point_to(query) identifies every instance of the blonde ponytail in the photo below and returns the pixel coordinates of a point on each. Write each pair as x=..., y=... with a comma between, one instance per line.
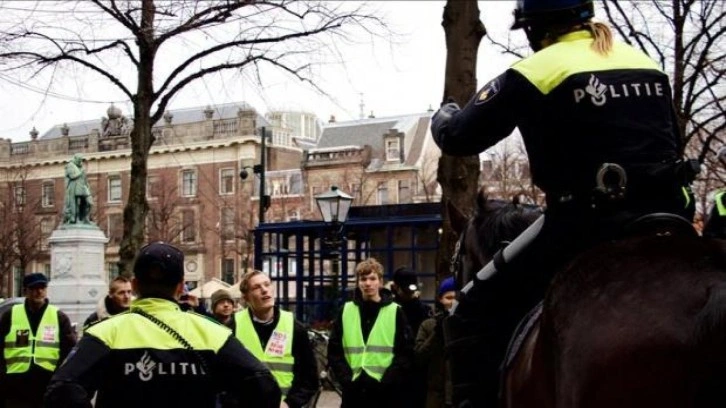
x=603, y=37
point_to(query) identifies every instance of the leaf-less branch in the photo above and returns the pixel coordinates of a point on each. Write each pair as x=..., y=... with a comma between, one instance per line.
x=48, y=61
x=256, y=41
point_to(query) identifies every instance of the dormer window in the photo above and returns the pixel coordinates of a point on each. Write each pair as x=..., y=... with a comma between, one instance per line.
x=393, y=149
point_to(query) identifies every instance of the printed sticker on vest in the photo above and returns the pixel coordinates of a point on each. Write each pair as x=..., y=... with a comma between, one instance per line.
x=277, y=343
x=22, y=338
x=49, y=333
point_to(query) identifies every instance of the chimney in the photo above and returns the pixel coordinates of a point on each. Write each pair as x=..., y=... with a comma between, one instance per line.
x=332, y=119
x=371, y=116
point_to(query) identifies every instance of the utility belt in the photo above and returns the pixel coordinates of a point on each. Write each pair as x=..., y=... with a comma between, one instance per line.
x=618, y=186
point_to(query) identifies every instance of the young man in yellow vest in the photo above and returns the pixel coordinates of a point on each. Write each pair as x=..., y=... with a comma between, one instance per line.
x=156, y=355
x=370, y=347
x=35, y=338
x=276, y=339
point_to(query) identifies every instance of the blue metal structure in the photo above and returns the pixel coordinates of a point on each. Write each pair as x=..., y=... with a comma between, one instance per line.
x=313, y=280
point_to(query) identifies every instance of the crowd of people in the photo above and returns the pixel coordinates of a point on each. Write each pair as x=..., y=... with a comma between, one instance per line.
x=156, y=349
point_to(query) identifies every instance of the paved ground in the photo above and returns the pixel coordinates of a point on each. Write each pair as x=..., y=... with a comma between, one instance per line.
x=329, y=399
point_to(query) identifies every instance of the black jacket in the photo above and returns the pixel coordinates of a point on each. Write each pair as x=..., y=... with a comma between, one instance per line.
x=416, y=312
x=164, y=372
x=31, y=384
x=365, y=391
x=575, y=110
x=105, y=309
x=305, y=382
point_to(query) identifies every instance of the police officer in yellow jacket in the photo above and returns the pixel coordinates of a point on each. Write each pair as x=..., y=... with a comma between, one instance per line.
x=35, y=337
x=155, y=355
x=598, y=121
x=370, y=351
x=277, y=339
x=716, y=223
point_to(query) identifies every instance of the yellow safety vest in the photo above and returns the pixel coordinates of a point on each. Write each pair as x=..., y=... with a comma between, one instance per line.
x=375, y=356
x=277, y=355
x=129, y=330
x=23, y=346
x=720, y=204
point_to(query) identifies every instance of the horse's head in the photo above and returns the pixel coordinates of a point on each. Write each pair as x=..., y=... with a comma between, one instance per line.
x=494, y=224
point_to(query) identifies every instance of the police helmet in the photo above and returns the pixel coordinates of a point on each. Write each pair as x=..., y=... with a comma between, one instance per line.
x=550, y=12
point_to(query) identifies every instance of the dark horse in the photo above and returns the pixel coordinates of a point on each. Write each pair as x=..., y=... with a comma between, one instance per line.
x=635, y=322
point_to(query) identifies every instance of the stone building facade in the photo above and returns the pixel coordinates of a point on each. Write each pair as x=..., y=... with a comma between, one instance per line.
x=196, y=197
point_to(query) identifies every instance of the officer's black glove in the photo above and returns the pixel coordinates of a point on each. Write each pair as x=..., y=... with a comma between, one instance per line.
x=440, y=121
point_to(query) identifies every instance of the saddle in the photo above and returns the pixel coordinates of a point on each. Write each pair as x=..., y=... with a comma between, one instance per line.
x=662, y=224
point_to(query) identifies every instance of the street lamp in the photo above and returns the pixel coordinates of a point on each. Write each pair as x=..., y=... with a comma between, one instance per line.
x=334, y=206
x=260, y=169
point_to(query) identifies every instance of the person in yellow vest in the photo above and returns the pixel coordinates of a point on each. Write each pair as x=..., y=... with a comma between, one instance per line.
x=370, y=351
x=277, y=339
x=35, y=338
x=716, y=223
x=156, y=355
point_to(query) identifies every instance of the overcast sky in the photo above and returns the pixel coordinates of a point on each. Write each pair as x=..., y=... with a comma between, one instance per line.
x=403, y=77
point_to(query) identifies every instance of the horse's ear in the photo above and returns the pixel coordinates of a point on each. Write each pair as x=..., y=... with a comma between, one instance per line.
x=457, y=219
x=515, y=199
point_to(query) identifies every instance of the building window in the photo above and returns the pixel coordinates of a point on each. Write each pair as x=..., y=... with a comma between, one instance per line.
x=115, y=228
x=313, y=192
x=152, y=187
x=189, y=183
x=112, y=269
x=48, y=194
x=20, y=195
x=114, y=189
x=228, y=270
x=189, y=230
x=228, y=224
x=46, y=228
x=382, y=194
x=392, y=150
x=226, y=181
x=46, y=270
x=404, y=192
x=293, y=215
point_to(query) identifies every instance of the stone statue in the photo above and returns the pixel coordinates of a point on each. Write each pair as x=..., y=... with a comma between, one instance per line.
x=78, y=201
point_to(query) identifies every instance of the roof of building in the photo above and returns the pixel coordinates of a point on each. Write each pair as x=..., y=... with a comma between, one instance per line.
x=180, y=117
x=370, y=132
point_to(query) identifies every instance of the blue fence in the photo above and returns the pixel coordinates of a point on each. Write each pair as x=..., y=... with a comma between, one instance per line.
x=313, y=281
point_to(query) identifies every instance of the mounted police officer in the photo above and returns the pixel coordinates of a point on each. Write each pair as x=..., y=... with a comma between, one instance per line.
x=155, y=355
x=600, y=129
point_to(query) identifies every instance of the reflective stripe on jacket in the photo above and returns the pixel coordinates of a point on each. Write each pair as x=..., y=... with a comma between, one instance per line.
x=22, y=345
x=277, y=354
x=375, y=355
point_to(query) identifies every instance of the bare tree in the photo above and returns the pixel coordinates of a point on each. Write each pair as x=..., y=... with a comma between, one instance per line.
x=164, y=221
x=458, y=176
x=426, y=176
x=21, y=226
x=234, y=35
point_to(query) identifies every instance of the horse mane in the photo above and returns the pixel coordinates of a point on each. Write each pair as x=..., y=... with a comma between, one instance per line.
x=499, y=221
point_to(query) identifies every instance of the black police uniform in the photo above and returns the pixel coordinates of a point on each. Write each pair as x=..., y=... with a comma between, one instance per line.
x=576, y=110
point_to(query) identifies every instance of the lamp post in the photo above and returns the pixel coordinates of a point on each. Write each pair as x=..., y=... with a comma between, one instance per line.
x=260, y=169
x=334, y=206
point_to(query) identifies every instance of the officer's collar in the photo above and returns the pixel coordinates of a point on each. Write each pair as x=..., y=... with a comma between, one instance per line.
x=154, y=304
x=575, y=35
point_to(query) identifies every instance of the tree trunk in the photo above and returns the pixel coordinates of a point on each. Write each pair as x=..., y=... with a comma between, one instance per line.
x=458, y=176
x=141, y=139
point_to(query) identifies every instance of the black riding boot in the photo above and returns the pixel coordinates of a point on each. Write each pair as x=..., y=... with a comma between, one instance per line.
x=478, y=331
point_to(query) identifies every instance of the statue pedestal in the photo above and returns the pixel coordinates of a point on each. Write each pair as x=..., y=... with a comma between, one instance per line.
x=78, y=275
